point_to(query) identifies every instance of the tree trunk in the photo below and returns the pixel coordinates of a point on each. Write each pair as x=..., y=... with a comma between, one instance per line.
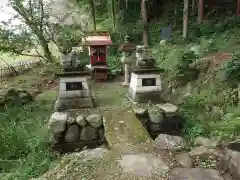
x=185, y=19
x=45, y=48
x=113, y=12
x=193, y=5
x=145, y=23
x=238, y=8
x=93, y=9
x=200, y=11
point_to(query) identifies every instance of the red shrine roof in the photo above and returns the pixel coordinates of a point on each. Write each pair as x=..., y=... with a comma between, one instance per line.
x=97, y=39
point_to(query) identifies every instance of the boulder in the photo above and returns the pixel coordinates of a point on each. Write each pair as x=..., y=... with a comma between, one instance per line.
x=195, y=173
x=143, y=165
x=202, y=141
x=169, y=109
x=164, y=141
x=80, y=120
x=95, y=120
x=204, y=152
x=58, y=121
x=230, y=162
x=156, y=115
x=140, y=111
x=88, y=134
x=70, y=120
x=72, y=133
x=185, y=160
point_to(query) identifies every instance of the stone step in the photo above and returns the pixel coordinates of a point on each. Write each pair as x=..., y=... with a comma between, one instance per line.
x=123, y=127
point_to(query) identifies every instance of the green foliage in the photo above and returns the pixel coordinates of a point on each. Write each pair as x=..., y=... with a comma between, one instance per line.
x=23, y=137
x=184, y=71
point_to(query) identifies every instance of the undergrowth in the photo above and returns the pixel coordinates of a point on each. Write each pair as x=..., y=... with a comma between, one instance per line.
x=23, y=137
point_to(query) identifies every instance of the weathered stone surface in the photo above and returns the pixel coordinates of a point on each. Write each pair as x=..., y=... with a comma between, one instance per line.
x=88, y=134
x=123, y=127
x=80, y=120
x=204, y=152
x=56, y=138
x=95, y=120
x=202, y=141
x=230, y=161
x=58, y=121
x=72, y=133
x=165, y=141
x=156, y=115
x=140, y=111
x=185, y=160
x=101, y=133
x=143, y=165
x=70, y=120
x=195, y=173
x=234, y=145
x=169, y=109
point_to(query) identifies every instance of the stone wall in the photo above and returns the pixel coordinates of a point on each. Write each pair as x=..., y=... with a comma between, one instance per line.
x=162, y=118
x=66, y=129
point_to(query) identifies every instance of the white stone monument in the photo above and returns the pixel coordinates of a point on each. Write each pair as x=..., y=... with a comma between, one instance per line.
x=74, y=91
x=145, y=84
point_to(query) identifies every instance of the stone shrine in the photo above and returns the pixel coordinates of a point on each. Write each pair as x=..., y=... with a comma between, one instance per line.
x=145, y=84
x=74, y=89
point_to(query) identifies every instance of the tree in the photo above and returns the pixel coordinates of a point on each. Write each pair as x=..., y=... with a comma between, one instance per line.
x=93, y=10
x=200, y=11
x=33, y=15
x=185, y=19
x=145, y=23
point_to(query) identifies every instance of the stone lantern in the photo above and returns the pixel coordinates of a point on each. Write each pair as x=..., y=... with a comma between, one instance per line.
x=128, y=59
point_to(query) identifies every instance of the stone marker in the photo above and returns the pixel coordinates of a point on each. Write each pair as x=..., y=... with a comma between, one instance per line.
x=123, y=127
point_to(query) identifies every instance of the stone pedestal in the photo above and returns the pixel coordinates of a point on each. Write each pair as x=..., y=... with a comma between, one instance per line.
x=126, y=75
x=145, y=86
x=74, y=91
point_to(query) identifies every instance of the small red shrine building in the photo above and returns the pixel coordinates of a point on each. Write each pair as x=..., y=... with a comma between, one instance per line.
x=97, y=44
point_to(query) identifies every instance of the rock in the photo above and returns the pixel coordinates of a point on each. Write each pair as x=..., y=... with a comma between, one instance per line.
x=230, y=162
x=202, y=141
x=140, y=111
x=154, y=128
x=88, y=134
x=72, y=134
x=59, y=106
x=143, y=165
x=56, y=138
x=101, y=133
x=70, y=120
x=195, y=173
x=95, y=120
x=184, y=160
x=80, y=120
x=169, y=109
x=204, y=152
x=234, y=145
x=156, y=115
x=58, y=121
x=165, y=141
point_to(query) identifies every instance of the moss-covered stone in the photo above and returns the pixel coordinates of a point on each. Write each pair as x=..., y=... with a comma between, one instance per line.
x=122, y=127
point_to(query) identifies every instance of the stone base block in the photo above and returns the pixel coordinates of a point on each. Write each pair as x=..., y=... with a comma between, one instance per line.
x=145, y=97
x=73, y=103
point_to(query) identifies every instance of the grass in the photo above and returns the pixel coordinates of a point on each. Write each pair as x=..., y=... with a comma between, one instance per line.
x=23, y=139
